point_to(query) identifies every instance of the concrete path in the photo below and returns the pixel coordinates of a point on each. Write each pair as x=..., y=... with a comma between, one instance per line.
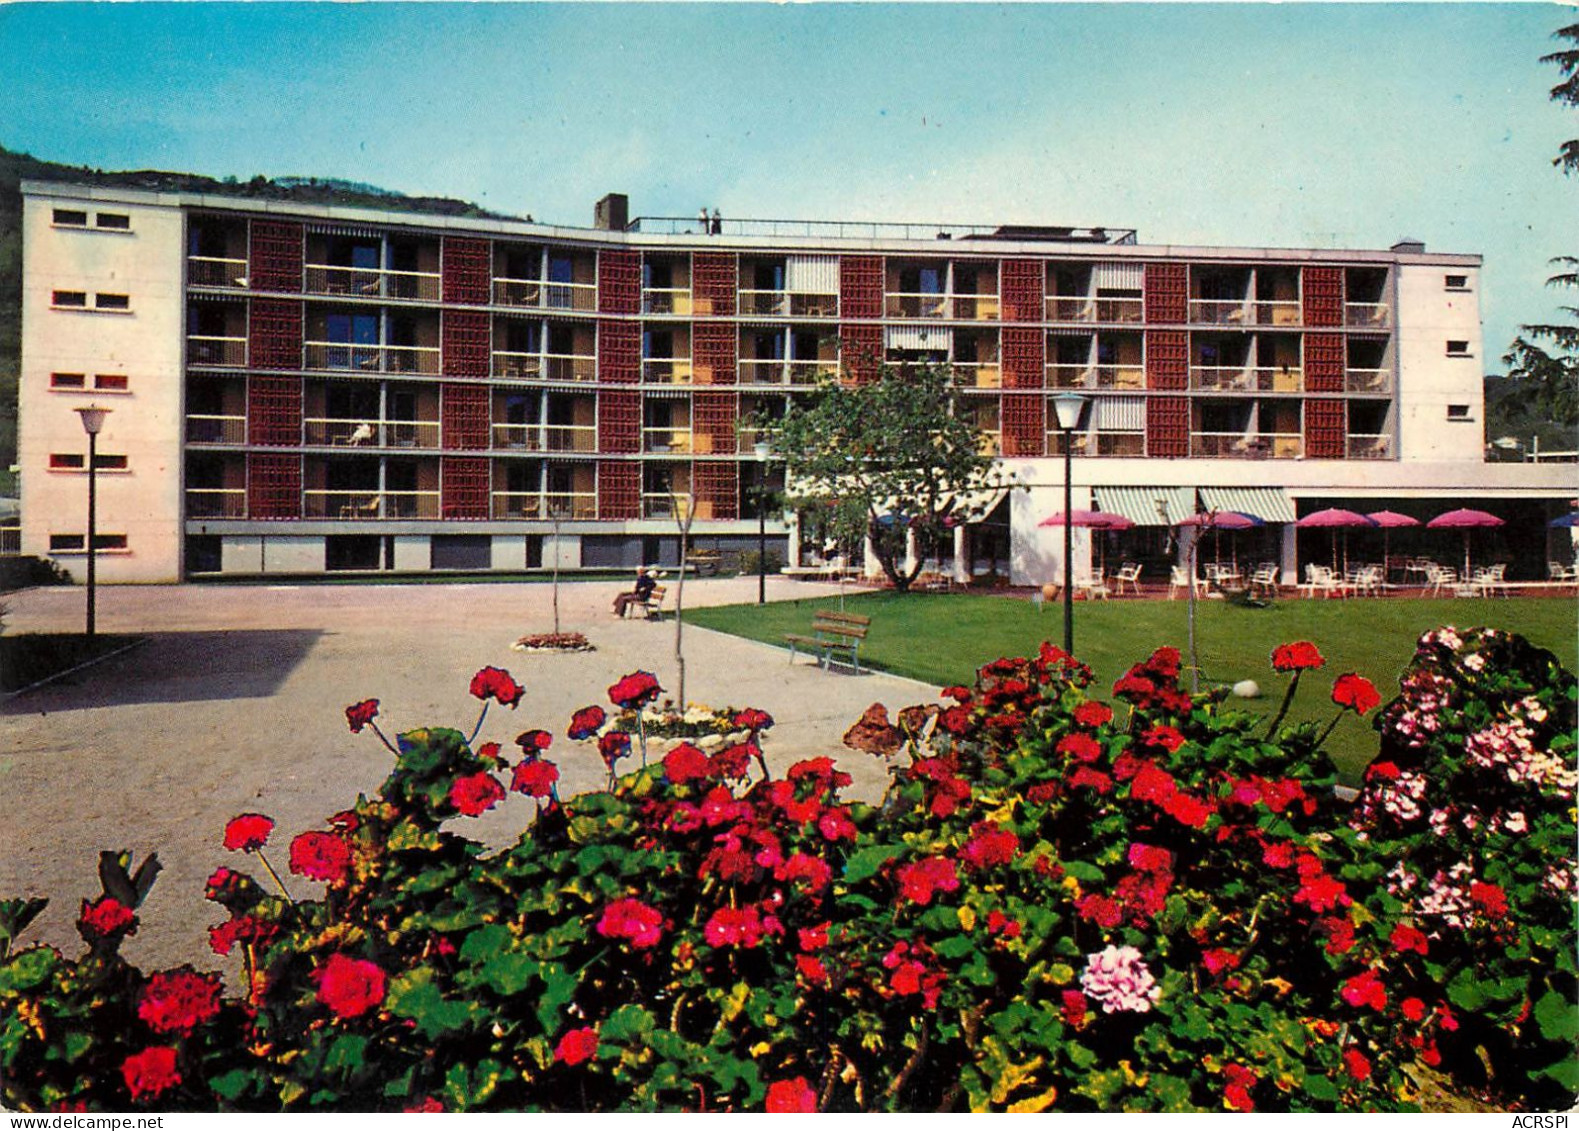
x=236, y=704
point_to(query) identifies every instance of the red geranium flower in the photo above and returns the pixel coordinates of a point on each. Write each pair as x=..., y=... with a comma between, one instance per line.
x=1149, y=858
x=812, y=969
x=1406, y=938
x=1237, y=1093
x=358, y=715
x=1295, y=657
x=150, y=1072
x=989, y=845
x=177, y=1001
x=321, y=856
x=535, y=778
x=813, y=938
x=1096, y=779
x=1365, y=988
x=1166, y=737
x=349, y=986
x=1359, y=1067
x=685, y=763
x=244, y=929
x=1093, y=714
x=1387, y=771
x=106, y=917
x=1217, y=960
x=957, y=693
x=812, y=870
x=631, y=919
x=585, y=722
x=1082, y=747
x=495, y=683
x=577, y=1046
x=733, y=761
x=613, y=746
x=634, y=690
x=1074, y=1007
x=1489, y=898
x=1413, y=1008
x=248, y=832
x=533, y=742
x=425, y=1106
x=919, y=879
x=789, y=1096
x=753, y=719
x=734, y=926
x=475, y=794
x=1355, y=692
x=835, y=824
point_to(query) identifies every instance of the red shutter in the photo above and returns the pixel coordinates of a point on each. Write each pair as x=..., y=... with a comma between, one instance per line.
x=713, y=353
x=274, y=411
x=1024, y=290
x=1167, y=292
x=464, y=486
x=619, y=282
x=1321, y=289
x=717, y=489
x=466, y=337
x=466, y=268
x=713, y=281
x=1024, y=357
x=861, y=351
x=1325, y=363
x=619, y=490
x=1167, y=359
x=1167, y=426
x=619, y=352
x=274, y=485
x=861, y=286
x=275, y=249
x=713, y=423
x=464, y=414
x=1326, y=427
x=1024, y=424
x=274, y=334
x=619, y=422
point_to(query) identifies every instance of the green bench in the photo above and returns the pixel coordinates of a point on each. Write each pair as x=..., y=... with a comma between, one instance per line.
x=832, y=633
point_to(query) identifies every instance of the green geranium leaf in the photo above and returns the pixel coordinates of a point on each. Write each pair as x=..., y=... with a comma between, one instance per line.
x=1558, y=1017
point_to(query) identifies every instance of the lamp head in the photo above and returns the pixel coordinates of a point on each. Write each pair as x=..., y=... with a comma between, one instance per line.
x=1069, y=406
x=93, y=418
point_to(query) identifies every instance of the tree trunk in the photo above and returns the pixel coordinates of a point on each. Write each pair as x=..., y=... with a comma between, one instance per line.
x=679, y=593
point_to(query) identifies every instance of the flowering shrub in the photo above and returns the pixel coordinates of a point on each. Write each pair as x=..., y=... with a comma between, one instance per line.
x=1058, y=904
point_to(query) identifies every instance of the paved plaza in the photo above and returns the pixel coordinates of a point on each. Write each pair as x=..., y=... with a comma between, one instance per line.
x=235, y=703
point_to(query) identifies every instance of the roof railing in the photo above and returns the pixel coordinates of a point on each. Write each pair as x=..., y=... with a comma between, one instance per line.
x=874, y=230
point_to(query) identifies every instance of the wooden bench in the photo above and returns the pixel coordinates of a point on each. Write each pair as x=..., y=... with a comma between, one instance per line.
x=830, y=633
x=653, y=605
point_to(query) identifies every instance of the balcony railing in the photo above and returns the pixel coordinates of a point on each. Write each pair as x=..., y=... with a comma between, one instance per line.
x=366, y=282
x=10, y=540
x=1279, y=312
x=918, y=306
x=212, y=271
x=1220, y=378
x=1120, y=310
x=1121, y=376
x=666, y=300
x=524, y=366
x=216, y=502
x=1120, y=444
x=1369, y=381
x=574, y=505
x=205, y=429
x=1219, y=312
x=1279, y=379
x=777, y=371
x=538, y=295
x=666, y=439
x=666, y=371
x=207, y=349
x=370, y=359
x=1067, y=375
x=784, y=304
x=362, y=433
x=1237, y=445
x=982, y=308
x=546, y=437
x=369, y=505
x=662, y=504
x=1371, y=314
x=1362, y=446
x=979, y=374
x=1069, y=308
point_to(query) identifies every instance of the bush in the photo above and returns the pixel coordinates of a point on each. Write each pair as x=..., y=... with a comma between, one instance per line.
x=21, y=572
x=1056, y=905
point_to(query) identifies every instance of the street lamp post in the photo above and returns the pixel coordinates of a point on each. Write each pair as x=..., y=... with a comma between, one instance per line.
x=92, y=423
x=1069, y=407
x=761, y=450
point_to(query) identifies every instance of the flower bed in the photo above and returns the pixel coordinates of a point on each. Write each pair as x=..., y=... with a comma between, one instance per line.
x=1061, y=903
x=553, y=642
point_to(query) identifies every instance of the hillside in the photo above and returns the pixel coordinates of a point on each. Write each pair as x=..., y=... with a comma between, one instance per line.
x=17, y=167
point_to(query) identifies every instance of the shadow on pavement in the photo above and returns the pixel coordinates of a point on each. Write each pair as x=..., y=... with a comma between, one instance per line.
x=178, y=667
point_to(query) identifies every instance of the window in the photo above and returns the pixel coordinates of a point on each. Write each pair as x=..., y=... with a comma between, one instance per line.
x=68, y=380
x=1458, y=412
x=73, y=543
x=1456, y=282
x=69, y=298
x=1457, y=348
x=111, y=382
x=112, y=302
x=67, y=461
x=109, y=463
x=70, y=218
x=115, y=221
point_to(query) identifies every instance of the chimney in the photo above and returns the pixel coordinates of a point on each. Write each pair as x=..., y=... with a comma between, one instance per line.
x=1409, y=246
x=612, y=213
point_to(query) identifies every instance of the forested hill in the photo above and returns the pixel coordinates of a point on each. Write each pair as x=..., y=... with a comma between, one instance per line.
x=18, y=167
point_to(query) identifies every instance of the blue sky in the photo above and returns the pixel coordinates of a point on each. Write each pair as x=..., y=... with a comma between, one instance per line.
x=1333, y=125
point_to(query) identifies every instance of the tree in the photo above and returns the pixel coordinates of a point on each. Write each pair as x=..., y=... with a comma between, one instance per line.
x=1567, y=91
x=885, y=460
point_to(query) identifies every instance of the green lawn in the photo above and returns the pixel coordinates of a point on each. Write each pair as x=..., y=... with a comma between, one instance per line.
x=943, y=639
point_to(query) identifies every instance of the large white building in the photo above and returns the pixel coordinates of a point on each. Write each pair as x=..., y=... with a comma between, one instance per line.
x=298, y=389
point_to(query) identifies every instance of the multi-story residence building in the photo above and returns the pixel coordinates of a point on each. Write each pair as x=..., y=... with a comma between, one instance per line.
x=299, y=389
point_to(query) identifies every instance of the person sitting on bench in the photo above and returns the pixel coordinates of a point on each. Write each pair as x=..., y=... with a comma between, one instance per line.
x=644, y=587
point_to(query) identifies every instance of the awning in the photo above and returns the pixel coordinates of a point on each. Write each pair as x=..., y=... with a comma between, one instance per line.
x=1121, y=414
x=1146, y=506
x=354, y=231
x=1270, y=504
x=917, y=337
x=1119, y=276
x=811, y=274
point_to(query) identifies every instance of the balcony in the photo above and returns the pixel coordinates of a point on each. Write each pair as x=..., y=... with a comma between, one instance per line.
x=534, y=294
x=1120, y=376
x=918, y=306
x=1279, y=312
x=365, y=282
x=979, y=308
x=1280, y=379
x=370, y=505
x=1369, y=381
x=782, y=304
x=666, y=371
x=666, y=300
x=1219, y=312
x=1221, y=378
x=212, y=271
x=1237, y=445
x=1061, y=308
x=1372, y=315
x=978, y=374
x=1062, y=375
x=777, y=371
x=1120, y=310
x=545, y=366
x=1369, y=446
x=362, y=433
x=370, y=359
x=573, y=505
x=204, y=349
x=666, y=440
x=216, y=502
x=204, y=429
x=662, y=504
x=546, y=437
x=1120, y=444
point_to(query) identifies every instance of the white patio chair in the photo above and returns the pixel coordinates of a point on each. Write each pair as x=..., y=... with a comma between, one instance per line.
x=1092, y=587
x=1368, y=581
x=1264, y=579
x=1438, y=578
x=1128, y=574
x=1177, y=579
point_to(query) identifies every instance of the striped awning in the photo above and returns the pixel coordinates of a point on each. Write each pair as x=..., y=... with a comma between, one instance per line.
x=355, y=231
x=1146, y=506
x=1270, y=504
x=1119, y=276
x=1121, y=414
x=811, y=274
x=917, y=337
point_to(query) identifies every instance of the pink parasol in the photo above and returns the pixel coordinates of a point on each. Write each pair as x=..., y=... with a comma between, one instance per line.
x=1334, y=518
x=1465, y=519
x=1097, y=520
x=1221, y=520
x=1388, y=521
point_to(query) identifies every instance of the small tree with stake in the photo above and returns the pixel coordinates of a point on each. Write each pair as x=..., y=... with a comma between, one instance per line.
x=887, y=459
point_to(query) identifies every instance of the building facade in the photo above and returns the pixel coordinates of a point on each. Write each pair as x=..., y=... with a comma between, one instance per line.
x=302, y=390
